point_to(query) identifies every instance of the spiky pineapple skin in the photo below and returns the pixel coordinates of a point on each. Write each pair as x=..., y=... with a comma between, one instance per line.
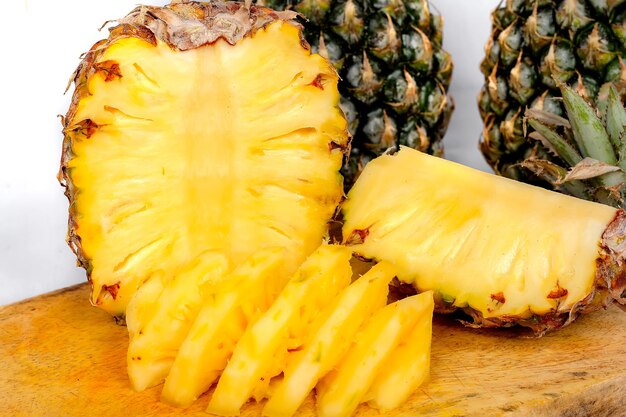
x=534, y=46
x=395, y=74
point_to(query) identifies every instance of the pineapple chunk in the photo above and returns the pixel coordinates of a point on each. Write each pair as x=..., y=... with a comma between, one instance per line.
x=500, y=248
x=330, y=338
x=228, y=308
x=342, y=390
x=260, y=353
x=159, y=324
x=408, y=365
x=231, y=144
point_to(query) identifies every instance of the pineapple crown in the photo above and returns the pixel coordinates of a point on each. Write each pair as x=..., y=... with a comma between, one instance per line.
x=591, y=142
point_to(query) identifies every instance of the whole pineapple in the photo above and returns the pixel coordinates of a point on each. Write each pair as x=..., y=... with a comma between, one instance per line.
x=395, y=74
x=535, y=46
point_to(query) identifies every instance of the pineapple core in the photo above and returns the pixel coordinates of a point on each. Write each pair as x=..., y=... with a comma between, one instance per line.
x=226, y=148
x=500, y=247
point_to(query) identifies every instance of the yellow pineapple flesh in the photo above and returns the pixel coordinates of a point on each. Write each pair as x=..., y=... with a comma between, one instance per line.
x=504, y=251
x=344, y=388
x=408, y=366
x=228, y=308
x=262, y=350
x=330, y=337
x=225, y=137
x=161, y=323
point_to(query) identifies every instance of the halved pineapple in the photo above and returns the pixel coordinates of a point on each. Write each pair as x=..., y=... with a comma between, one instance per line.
x=198, y=127
x=261, y=352
x=343, y=389
x=329, y=339
x=227, y=309
x=159, y=324
x=504, y=251
x=408, y=366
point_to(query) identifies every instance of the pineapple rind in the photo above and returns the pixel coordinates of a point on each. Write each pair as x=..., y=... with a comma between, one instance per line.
x=476, y=239
x=140, y=157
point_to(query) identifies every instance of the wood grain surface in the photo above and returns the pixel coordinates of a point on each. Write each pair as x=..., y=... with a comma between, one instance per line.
x=61, y=357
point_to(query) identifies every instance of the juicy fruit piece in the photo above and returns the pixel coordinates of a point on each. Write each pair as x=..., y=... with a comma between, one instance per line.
x=227, y=309
x=395, y=74
x=178, y=145
x=595, y=150
x=160, y=324
x=262, y=350
x=535, y=257
x=330, y=337
x=342, y=390
x=408, y=366
x=535, y=45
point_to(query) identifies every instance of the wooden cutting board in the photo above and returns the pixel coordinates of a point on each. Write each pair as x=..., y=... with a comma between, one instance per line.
x=61, y=357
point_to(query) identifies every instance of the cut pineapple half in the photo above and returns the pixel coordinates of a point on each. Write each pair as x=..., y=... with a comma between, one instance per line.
x=261, y=352
x=343, y=389
x=504, y=251
x=228, y=309
x=159, y=324
x=198, y=127
x=408, y=365
x=330, y=338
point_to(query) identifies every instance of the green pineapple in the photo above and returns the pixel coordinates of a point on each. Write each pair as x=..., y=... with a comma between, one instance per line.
x=395, y=73
x=535, y=46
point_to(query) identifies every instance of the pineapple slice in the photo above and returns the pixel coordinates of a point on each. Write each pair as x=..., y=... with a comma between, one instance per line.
x=160, y=323
x=330, y=338
x=408, y=365
x=343, y=389
x=504, y=251
x=261, y=352
x=198, y=127
x=227, y=310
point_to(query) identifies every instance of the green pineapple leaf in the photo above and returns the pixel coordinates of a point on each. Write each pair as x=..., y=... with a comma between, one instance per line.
x=589, y=132
x=562, y=148
x=616, y=124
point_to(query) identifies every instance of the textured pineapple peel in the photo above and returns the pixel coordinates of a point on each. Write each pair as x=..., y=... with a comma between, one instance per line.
x=504, y=251
x=175, y=146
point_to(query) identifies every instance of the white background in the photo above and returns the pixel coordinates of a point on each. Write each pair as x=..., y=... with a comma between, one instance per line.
x=41, y=44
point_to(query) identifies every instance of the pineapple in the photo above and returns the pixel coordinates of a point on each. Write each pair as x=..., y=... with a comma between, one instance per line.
x=408, y=367
x=159, y=323
x=535, y=46
x=395, y=74
x=343, y=389
x=330, y=337
x=227, y=309
x=593, y=146
x=196, y=128
x=503, y=251
x=262, y=350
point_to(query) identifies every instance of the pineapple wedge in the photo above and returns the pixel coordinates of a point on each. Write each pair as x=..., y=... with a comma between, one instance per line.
x=198, y=127
x=504, y=251
x=260, y=353
x=330, y=338
x=408, y=366
x=228, y=308
x=342, y=390
x=160, y=324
